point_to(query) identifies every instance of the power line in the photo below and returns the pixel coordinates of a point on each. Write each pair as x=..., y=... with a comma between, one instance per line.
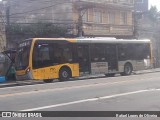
x=80, y=29
x=41, y=8
x=15, y=2
x=104, y=16
x=143, y=30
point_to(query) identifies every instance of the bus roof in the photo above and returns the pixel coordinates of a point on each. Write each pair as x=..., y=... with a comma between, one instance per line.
x=98, y=40
x=112, y=40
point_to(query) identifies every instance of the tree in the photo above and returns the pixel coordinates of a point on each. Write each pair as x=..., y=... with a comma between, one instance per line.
x=153, y=13
x=24, y=31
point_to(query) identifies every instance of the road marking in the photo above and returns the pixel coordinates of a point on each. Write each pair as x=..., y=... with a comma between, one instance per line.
x=68, y=88
x=90, y=100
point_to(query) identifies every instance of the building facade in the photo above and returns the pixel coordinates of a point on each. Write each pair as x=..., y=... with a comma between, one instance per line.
x=106, y=17
x=92, y=17
x=2, y=28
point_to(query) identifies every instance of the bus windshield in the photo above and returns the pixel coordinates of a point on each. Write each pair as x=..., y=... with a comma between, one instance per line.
x=22, y=58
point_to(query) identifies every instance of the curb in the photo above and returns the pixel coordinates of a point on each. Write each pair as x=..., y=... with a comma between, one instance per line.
x=147, y=71
x=32, y=82
x=19, y=83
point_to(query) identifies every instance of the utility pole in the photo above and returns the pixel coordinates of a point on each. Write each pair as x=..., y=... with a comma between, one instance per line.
x=80, y=24
x=7, y=22
x=81, y=12
x=2, y=28
x=7, y=15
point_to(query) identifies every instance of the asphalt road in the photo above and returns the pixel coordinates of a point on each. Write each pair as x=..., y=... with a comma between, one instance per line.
x=139, y=92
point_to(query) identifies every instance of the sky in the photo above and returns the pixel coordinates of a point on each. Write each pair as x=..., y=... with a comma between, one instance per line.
x=155, y=3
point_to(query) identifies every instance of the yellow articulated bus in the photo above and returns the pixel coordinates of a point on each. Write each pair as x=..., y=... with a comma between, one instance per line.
x=64, y=58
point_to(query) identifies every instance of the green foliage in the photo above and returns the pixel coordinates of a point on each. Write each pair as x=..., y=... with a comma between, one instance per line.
x=153, y=13
x=36, y=30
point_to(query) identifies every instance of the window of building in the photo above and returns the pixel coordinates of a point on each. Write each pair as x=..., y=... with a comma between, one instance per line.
x=111, y=17
x=139, y=1
x=123, y=18
x=132, y=1
x=97, y=16
x=124, y=1
x=85, y=16
x=90, y=14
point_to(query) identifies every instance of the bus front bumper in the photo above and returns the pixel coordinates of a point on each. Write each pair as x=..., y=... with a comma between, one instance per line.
x=27, y=76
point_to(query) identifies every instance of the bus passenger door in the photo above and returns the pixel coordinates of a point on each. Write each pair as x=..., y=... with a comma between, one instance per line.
x=83, y=58
x=111, y=54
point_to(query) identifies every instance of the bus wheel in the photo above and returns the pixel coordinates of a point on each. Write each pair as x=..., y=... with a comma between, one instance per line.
x=64, y=74
x=127, y=69
x=48, y=80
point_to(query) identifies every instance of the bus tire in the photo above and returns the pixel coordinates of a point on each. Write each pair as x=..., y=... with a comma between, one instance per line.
x=48, y=80
x=127, y=69
x=64, y=74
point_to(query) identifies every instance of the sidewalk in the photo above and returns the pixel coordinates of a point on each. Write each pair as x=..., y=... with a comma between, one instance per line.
x=32, y=82
x=148, y=71
x=20, y=83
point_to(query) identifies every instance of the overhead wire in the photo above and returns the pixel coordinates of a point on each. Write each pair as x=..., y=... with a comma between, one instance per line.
x=58, y=3
x=40, y=8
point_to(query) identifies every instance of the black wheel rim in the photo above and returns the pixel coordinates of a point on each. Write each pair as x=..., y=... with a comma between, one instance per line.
x=65, y=74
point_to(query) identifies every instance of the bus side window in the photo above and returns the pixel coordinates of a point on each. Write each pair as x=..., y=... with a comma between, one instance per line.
x=139, y=52
x=57, y=55
x=97, y=53
x=80, y=53
x=122, y=49
x=101, y=53
x=44, y=53
x=41, y=57
x=60, y=53
x=67, y=54
x=146, y=51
